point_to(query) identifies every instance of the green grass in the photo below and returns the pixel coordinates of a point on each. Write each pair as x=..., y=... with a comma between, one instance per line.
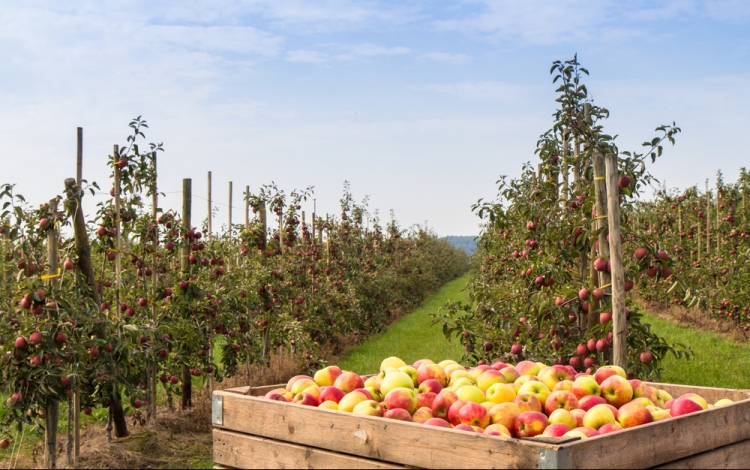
x=410, y=338
x=719, y=362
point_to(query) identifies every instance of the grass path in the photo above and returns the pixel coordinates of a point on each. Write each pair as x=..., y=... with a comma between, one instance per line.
x=411, y=338
x=719, y=362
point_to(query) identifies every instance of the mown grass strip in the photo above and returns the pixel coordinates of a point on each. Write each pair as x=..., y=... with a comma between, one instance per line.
x=719, y=362
x=412, y=337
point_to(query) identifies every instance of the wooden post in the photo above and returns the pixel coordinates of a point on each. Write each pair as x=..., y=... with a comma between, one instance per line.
x=247, y=207
x=154, y=283
x=74, y=405
x=83, y=252
x=263, y=222
x=51, y=417
x=186, y=400
x=718, y=219
x=619, y=322
x=565, y=187
x=118, y=216
x=265, y=351
x=210, y=214
x=116, y=414
x=230, y=210
x=600, y=189
x=79, y=156
x=315, y=207
x=708, y=220
x=700, y=242
x=576, y=178
x=281, y=231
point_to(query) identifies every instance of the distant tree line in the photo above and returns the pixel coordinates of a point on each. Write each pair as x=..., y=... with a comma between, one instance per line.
x=466, y=243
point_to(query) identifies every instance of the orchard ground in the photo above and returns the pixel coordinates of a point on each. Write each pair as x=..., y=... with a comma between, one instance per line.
x=183, y=440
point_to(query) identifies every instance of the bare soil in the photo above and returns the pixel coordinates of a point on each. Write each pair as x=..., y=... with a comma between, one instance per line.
x=695, y=319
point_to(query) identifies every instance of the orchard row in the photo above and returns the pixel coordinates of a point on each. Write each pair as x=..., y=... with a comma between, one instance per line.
x=543, y=279
x=708, y=233
x=139, y=297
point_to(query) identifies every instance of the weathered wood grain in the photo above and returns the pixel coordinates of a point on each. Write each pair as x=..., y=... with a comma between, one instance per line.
x=665, y=441
x=238, y=450
x=712, y=395
x=731, y=456
x=375, y=438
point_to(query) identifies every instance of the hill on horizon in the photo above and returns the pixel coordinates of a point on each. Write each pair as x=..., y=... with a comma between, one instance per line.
x=467, y=243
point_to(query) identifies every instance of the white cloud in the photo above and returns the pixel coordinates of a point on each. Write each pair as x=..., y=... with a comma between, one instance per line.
x=239, y=39
x=306, y=57
x=482, y=91
x=447, y=57
x=532, y=21
x=355, y=52
x=540, y=22
x=371, y=50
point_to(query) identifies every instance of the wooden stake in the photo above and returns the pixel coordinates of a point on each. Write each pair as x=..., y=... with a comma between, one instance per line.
x=565, y=188
x=51, y=417
x=281, y=231
x=154, y=283
x=230, y=210
x=210, y=214
x=700, y=242
x=600, y=190
x=718, y=219
x=618, y=272
x=187, y=200
x=265, y=351
x=247, y=207
x=315, y=207
x=83, y=252
x=118, y=216
x=79, y=156
x=708, y=220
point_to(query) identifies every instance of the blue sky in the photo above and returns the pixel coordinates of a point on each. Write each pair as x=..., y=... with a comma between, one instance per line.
x=420, y=105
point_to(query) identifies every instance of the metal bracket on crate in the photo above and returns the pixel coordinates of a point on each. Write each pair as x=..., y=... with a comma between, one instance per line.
x=550, y=458
x=217, y=410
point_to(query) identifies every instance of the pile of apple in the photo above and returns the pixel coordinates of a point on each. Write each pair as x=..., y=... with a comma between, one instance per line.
x=525, y=400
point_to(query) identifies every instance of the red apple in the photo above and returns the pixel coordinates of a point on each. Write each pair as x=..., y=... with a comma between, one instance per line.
x=401, y=398
x=21, y=343
x=439, y=422
x=556, y=430
x=430, y=386
x=560, y=399
x=617, y=391
x=348, y=382
x=331, y=393
x=443, y=402
x=425, y=400
x=528, y=402
x=474, y=414
x=682, y=406
x=633, y=414
x=590, y=401
x=399, y=414
x=530, y=424
x=422, y=415
x=608, y=428
x=432, y=372
x=453, y=411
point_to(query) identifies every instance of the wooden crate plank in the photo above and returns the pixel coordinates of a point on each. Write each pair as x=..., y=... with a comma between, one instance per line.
x=731, y=456
x=244, y=451
x=712, y=395
x=665, y=441
x=375, y=438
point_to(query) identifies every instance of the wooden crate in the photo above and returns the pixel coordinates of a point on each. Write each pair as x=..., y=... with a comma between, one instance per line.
x=251, y=432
